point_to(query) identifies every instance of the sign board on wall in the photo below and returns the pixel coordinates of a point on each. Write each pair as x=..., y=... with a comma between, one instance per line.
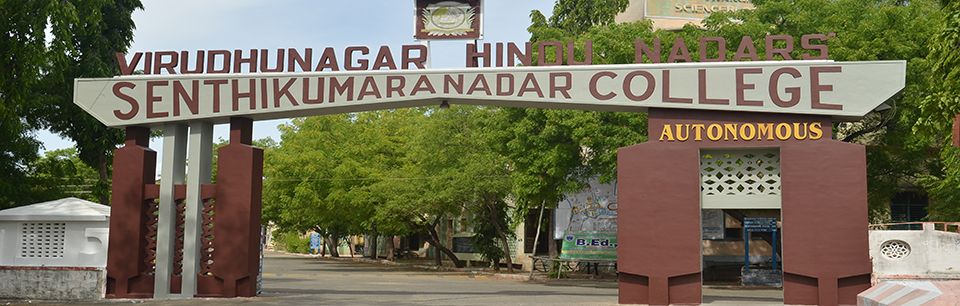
x=692, y=9
x=760, y=224
x=592, y=209
x=589, y=245
x=446, y=19
x=713, y=224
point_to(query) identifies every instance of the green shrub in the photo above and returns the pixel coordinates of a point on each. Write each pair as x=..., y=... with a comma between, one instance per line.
x=294, y=242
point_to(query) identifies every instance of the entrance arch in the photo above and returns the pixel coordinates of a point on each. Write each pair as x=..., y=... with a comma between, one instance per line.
x=823, y=181
x=824, y=211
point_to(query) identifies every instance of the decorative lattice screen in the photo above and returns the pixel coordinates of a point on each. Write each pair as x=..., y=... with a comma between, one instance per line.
x=740, y=179
x=42, y=240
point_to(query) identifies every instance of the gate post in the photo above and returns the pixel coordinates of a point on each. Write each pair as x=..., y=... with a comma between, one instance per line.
x=236, y=226
x=658, y=224
x=825, y=239
x=134, y=168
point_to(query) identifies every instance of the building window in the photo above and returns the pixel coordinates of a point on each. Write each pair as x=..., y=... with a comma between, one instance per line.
x=908, y=206
x=42, y=240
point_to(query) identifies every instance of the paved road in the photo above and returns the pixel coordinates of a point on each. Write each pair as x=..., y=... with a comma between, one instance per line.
x=295, y=280
x=298, y=280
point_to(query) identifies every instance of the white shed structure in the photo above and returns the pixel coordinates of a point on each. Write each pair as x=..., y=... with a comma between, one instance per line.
x=68, y=232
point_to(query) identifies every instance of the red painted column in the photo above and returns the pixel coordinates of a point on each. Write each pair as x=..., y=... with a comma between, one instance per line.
x=826, y=257
x=658, y=224
x=134, y=167
x=236, y=225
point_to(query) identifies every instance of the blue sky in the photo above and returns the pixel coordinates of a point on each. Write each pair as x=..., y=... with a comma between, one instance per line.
x=245, y=24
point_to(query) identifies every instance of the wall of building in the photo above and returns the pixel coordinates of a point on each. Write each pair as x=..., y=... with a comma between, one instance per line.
x=84, y=243
x=911, y=254
x=53, y=260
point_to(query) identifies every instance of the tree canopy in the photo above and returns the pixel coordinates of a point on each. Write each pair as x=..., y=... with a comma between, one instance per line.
x=46, y=44
x=386, y=172
x=938, y=108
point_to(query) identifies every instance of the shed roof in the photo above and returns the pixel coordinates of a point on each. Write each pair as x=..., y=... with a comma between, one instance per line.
x=66, y=209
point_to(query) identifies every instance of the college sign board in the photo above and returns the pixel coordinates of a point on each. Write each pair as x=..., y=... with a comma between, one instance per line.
x=844, y=90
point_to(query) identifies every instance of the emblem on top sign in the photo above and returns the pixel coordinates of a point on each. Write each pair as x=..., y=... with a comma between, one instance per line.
x=448, y=20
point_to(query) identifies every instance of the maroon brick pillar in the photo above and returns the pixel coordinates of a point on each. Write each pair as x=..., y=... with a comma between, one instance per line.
x=825, y=239
x=236, y=225
x=129, y=274
x=658, y=224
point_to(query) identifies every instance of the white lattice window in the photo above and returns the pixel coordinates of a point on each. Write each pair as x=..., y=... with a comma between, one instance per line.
x=740, y=178
x=42, y=240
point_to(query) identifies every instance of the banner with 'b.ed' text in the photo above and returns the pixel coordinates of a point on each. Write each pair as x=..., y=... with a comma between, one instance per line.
x=589, y=245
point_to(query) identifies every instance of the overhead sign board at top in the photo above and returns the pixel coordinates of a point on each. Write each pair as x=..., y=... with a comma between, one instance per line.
x=844, y=90
x=158, y=87
x=448, y=19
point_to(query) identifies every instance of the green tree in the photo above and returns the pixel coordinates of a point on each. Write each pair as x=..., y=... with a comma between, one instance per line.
x=579, y=16
x=455, y=147
x=22, y=24
x=36, y=82
x=86, y=35
x=938, y=109
x=385, y=137
x=61, y=173
x=445, y=168
x=392, y=172
x=303, y=178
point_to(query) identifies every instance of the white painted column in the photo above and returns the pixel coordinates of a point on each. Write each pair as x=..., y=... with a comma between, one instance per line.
x=172, y=167
x=198, y=173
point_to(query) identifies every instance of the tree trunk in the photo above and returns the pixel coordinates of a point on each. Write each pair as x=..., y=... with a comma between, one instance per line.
x=435, y=241
x=501, y=232
x=372, y=245
x=323, y=239
x=390, y=246
x=536, y=239
x=332, y=243
x=508, y=259
x=103, y=185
